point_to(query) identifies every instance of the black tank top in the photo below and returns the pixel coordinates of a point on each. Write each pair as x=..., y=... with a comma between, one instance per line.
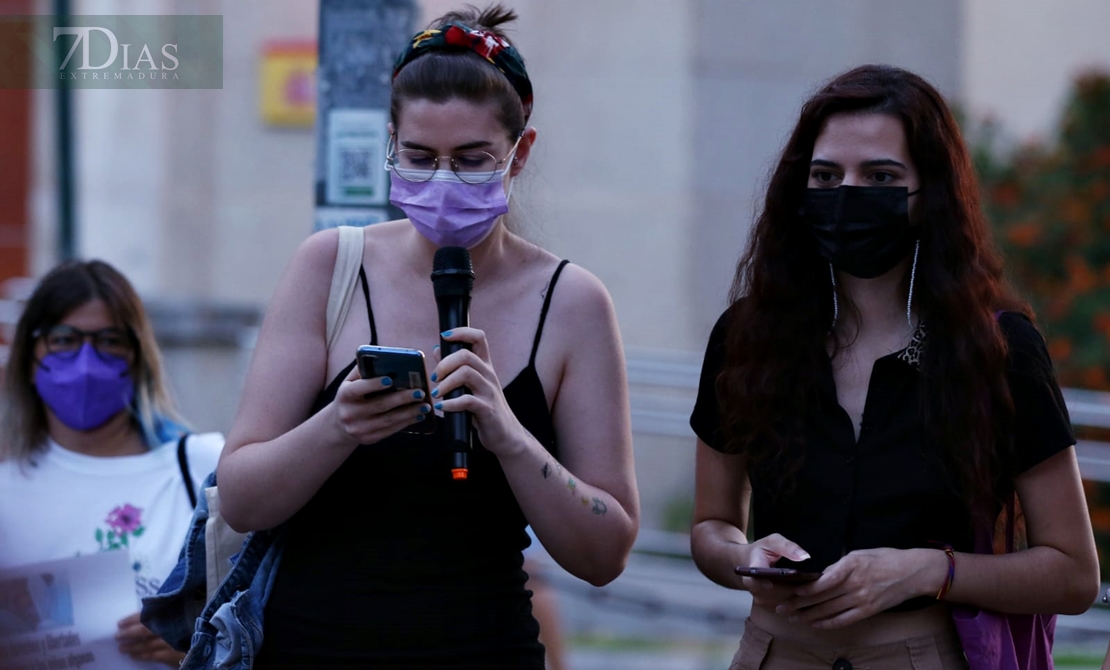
x=394, y=565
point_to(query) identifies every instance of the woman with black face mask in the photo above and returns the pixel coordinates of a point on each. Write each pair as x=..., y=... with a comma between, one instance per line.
x=878, y=396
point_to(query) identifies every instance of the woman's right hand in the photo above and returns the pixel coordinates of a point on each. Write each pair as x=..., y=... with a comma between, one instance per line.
x=370, y=410
x=764, y=553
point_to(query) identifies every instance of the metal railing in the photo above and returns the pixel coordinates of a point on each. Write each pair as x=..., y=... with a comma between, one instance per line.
x=663, y=388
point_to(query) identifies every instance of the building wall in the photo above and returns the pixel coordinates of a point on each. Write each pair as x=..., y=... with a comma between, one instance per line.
x=1022, y=57
x=658, y=125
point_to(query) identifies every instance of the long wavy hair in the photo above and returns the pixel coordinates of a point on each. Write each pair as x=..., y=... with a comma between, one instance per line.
x=782, y=307
x=64, y=289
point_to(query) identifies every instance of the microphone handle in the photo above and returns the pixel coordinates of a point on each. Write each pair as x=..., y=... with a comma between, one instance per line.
x=455, y=315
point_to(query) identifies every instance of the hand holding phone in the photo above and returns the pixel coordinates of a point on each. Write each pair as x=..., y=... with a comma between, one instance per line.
x=405, y=367
x=778, y=575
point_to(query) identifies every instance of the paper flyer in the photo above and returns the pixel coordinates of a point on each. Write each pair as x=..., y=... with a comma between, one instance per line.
x=63, y=614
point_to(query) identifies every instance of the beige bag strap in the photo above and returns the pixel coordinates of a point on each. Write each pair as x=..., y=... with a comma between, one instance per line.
x=221, y=543
x=344, y=279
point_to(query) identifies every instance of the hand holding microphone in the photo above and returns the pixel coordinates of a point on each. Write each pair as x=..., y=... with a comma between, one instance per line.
x=467, y=381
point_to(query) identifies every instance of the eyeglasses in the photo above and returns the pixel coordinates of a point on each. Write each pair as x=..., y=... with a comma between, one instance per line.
x=66, y=341
x=472, y=166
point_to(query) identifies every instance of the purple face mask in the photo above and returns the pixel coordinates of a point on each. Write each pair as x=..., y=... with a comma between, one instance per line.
x=86, y=390
x=448, y=211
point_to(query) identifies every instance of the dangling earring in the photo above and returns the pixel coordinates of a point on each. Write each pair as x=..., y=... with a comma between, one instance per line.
x=836, y=304
x=913, y=275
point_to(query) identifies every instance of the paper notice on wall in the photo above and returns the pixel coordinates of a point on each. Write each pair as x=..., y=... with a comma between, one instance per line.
x=64, y=614
x=356, y=157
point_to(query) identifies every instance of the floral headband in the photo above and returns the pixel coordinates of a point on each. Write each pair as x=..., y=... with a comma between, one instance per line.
x=494, y=49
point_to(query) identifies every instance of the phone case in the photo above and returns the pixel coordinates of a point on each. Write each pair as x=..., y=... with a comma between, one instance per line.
x=778, y=575
x=405, y=367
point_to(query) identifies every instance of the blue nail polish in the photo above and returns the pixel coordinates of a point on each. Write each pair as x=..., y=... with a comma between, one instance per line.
x=386, y=381
x=435, y=393
x=433, y=378
x=419, y=417
x=424, y=409
x=418, y=394
x=439, y=405
x=446, y=333
x=435, y=347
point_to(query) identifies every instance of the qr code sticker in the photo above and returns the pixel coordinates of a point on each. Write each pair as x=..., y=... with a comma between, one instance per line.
x=354, y=165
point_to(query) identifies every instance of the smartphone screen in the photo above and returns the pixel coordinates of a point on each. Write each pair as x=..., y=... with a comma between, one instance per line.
x=405, y=367
x=778, y=575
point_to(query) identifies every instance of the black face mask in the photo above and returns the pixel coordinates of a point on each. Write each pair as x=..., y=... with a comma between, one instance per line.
x=862, y=230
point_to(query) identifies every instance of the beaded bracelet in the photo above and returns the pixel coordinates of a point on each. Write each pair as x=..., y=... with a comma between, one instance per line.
x=951, y=572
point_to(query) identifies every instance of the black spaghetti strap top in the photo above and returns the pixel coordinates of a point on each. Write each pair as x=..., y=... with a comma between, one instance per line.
x=394, y=565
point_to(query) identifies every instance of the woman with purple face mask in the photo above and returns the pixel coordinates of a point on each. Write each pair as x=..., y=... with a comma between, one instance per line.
x=388, y=561
x=89, y=453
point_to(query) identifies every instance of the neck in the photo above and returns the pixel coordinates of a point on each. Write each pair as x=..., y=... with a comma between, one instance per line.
x=879, y=303
x=118, y=437
x=487, y=256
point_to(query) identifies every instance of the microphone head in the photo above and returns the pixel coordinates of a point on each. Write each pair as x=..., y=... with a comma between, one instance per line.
x=452, y=272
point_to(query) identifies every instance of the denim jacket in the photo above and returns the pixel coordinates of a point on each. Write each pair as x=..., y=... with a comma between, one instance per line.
x=224, y=633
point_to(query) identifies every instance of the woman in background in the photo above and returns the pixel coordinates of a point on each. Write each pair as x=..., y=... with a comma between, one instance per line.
x=91, y=444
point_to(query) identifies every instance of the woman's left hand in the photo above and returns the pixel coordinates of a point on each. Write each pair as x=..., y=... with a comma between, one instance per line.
x=141, y=644
x=497, y=426
x=864, y=583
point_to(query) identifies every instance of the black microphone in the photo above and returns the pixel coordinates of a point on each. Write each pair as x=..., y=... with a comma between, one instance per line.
x=452, y=281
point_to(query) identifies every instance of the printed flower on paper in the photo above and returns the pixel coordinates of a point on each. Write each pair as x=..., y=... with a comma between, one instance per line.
x=124, y=522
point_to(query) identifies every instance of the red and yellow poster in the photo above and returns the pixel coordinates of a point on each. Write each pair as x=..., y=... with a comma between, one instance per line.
x=288, y=83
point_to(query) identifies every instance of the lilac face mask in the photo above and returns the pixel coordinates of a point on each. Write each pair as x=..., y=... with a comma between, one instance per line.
x=86, y=390
x=448, y=211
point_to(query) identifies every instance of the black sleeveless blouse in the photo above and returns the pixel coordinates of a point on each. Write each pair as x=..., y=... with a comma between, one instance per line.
x=394, y=565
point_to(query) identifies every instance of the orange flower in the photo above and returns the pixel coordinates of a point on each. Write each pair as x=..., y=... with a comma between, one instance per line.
x=1101, y=323
x=1100, y=518
x=1075, y=211
x=1100, y=191
x=1006, y=195
x=1023, y=235
x=1101, y=157
x=1080, y=276
x=1094, y=378
x=1059, y=348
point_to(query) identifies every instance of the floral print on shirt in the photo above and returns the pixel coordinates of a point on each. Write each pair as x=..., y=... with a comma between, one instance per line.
x=124, y=523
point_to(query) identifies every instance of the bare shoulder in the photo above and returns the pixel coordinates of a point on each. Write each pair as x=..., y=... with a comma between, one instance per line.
x=313, y=257
x=386, y=235
x=581, y=297
x=318, y=251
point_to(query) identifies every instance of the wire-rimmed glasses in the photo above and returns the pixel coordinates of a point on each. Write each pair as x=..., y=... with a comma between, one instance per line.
x=66, y=341
x=472, y=166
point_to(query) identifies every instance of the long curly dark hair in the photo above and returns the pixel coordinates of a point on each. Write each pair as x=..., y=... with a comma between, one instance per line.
x=782, y=306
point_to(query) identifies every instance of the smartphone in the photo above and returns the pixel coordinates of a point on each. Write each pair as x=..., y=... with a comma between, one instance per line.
x=405, y=367
x=778, y=575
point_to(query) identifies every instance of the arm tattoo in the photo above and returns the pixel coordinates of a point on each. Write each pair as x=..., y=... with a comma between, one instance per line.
x=600, y=508
x=571, y=485
x=546, y=470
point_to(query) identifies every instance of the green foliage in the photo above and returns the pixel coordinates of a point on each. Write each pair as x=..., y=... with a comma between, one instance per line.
x=1050, y=206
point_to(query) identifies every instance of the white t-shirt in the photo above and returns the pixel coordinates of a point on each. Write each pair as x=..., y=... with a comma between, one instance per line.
x=71, y=504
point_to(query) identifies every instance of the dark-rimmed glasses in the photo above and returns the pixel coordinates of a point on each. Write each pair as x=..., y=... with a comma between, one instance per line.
x=66, y=341
x=471, y=166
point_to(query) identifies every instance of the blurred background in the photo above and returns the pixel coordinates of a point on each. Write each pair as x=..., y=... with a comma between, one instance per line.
x=658, y=122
